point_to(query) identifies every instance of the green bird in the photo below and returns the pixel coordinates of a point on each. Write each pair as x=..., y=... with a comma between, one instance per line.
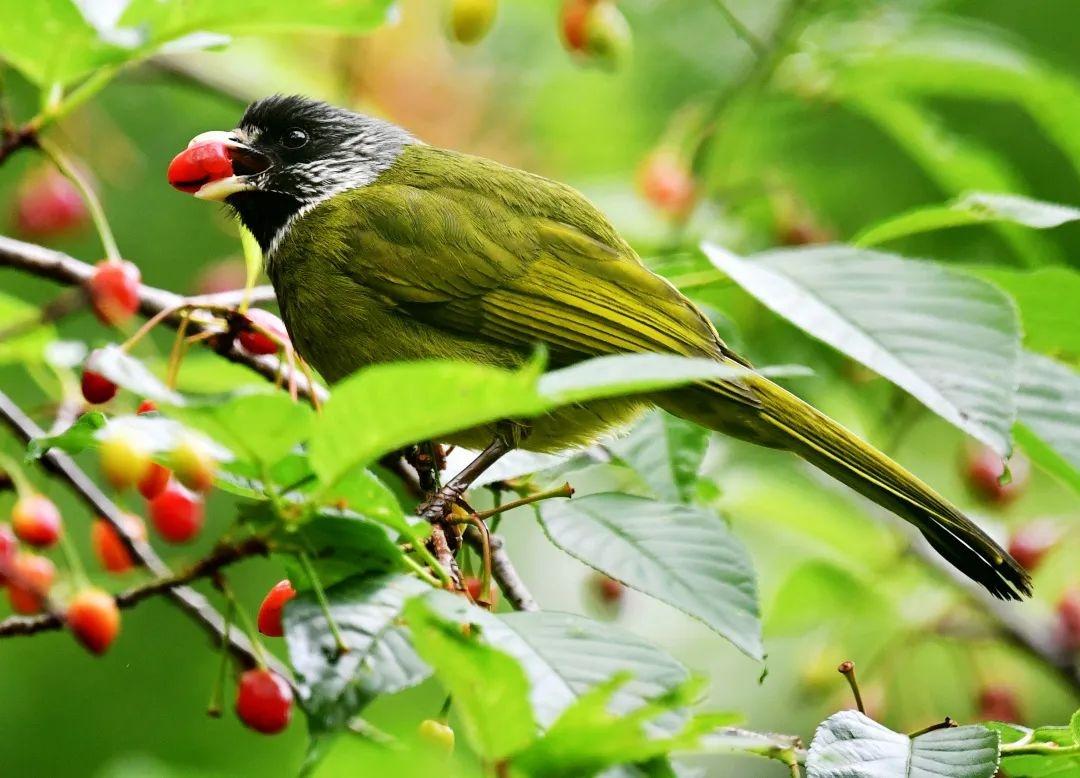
x=382, y=248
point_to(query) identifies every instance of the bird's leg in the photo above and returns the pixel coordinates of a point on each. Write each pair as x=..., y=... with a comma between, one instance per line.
x=437, y=507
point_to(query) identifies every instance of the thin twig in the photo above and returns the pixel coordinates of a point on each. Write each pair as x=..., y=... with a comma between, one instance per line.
x=742, y=31
x=847, y=669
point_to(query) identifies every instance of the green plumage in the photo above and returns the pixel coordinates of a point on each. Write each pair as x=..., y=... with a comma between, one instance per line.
x=450, y=256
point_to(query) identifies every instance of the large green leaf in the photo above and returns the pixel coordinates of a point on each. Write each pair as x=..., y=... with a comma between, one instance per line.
x=564, y=655
x=667, y=452
x=489, y=687
x=849, y=744
x=1048, y=299
x=384, y=407
x=380, y=660
x=1049, y=416
x=50, y=41
x=951, y=341
x=681, y=555
x=972, y=208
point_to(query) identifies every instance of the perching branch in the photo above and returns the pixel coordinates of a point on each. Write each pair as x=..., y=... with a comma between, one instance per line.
x=189, y=600
x=224, y=554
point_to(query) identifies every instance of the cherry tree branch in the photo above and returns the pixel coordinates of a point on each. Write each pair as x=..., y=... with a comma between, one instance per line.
x=223, y=554
x=186, y=598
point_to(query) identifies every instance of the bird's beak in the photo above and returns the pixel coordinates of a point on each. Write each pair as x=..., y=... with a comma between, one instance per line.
x=215, y=165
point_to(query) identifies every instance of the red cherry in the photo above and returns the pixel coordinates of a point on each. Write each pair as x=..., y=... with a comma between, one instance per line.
x=1068, y=613
x=114, y=290
x=124, y=462
x=9, y=547
x=154, y=480
x=270, y=610
x=36, y=520
x=177, y=513
x=574, y=21
x=1031, y=542
x=48, y=205
x=29, y=580
x=96, y=388
x=998, y=703
x=145, y=407
x=264, y=701
x=667, y=184
x=984, y=469
x=257, y=342
x=608, y=589
x=475, y=588
x=94, y=619
x=109, y=548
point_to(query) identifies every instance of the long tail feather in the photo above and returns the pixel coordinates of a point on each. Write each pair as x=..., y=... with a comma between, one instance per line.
x=785, y=421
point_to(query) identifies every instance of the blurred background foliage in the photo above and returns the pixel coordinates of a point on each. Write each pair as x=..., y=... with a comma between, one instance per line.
x=872, y=109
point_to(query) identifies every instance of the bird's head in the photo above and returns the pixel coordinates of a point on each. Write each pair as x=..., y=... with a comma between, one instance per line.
x=287, y=154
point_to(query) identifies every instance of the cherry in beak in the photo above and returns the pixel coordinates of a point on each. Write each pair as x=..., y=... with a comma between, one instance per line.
x=215, y=165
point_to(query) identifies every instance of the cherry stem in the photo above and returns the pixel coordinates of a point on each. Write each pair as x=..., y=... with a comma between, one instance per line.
x=324, y=604
x=97, y=213
x=217, y=693
x=71, y=557
x=176, y=355
x=245, y=623
x=22, y=485
x=420, y=570
x=847, y=669
x=946, y=724
x=566, y=490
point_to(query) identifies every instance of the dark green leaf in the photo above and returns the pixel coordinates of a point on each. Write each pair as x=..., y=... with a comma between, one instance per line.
x=681, y=555
x=380, y=660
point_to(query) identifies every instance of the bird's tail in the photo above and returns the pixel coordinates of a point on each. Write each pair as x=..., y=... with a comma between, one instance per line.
x=785, y=421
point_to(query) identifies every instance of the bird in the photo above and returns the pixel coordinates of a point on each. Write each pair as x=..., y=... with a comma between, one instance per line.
x=383, y=248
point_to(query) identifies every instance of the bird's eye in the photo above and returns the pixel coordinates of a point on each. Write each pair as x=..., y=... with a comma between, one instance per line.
x=294, y=138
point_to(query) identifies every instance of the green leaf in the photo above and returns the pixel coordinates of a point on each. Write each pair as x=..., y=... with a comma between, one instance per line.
x=820, y=593
x=169, y=19
x=1049, y=416
x=343, y=543
x=130, y=373
x=953, y=343
x=588, y=737
x=384, y=407
x=261, y=425
x=30, y=346
x=623, y=374
x=667, y=452
x=50, y=41
x=78, y=437
x=564, y=655
x=489, y=688
x=848, y=744
x=380, y=660
x=681, y=555
x=1048, y=300
x=973, y=208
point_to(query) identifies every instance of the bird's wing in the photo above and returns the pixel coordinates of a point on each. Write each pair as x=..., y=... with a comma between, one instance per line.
x=495, y=253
